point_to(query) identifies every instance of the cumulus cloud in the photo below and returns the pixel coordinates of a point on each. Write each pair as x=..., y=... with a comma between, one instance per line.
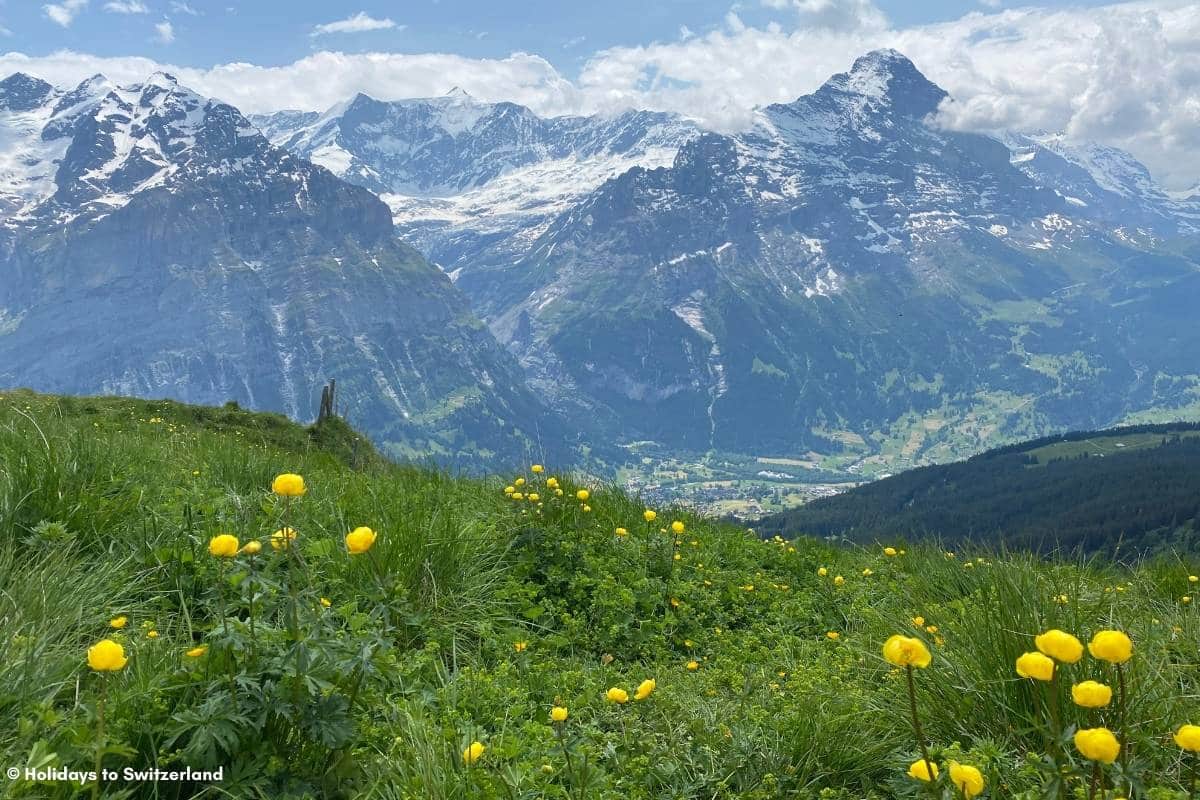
x=1127, y=74
x=359, y=23
x=64, y=13
x=126, y=7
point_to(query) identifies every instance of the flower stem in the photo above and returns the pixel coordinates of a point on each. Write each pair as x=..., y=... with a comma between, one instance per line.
x=916, y=721
x=100, y=741
x=1122, y=735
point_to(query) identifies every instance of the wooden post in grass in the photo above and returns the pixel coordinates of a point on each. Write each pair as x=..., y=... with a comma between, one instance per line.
x=327, y=401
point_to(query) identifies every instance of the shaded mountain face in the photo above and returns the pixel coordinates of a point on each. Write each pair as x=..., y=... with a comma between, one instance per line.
x=843, y=278
x=153, y=242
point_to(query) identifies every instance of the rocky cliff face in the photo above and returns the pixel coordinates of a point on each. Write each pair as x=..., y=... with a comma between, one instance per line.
x=154, y=243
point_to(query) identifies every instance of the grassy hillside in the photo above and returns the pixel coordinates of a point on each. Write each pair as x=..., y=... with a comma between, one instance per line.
x=310, y=672
x=1123, y=491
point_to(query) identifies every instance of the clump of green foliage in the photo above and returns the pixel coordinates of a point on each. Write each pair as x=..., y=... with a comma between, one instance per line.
x=310, y=672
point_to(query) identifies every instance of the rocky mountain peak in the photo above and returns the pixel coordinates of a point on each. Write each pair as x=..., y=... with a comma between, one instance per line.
x=21, y=92
x=887, y=79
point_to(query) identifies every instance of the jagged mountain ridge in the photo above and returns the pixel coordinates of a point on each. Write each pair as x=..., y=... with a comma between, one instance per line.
x=845, y=271
x=155, y=243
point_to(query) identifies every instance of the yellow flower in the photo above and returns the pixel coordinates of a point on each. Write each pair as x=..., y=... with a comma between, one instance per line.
x=196, y=652
x=1193, y=578
x=537, y=469
x=1111, y=646
x=833, y=636
x=839, y=580
x=931, y=629
x=586, y=508
x=282, y=539
x=472, y=753
x=1091, y=694
x=118, y=622
x=558, y=714
x=1188, y=737
x=252, y=547
x=918, y=621
x=520, y=646
x=1097, y=744
x=582, y=495
x=552, y=483
x=534, y=497
x=152, y=634
x=1185, y=599
x=616, y=695
x=889, y=551
x=288, y=485
x=693, y=666
x=1059, y=645
x=325, y=602
x=517, y=496
x=359, y=540
x=106, y=656
x=621, y=532
x=868, y=572
x=921, y=769
x=905, y=651
x=558, y=492
x=645, y=689
x=1036, y=666
x=675, y=602
x=509, y=489
x=223, y=546
x=966, y=779
x=677, y=527
x=822, y=572
x=519, y=482
x=649, y=515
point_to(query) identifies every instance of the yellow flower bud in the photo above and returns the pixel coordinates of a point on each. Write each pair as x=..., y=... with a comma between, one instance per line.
x=360, y=540
x=966, y=779
x=617, y=695
x=1188, y=737
x=906, y=651
x=558, y=714
x=822, y=572
x=118, y=622
x=282, y=539
x=645, y=689
x=1091, y=694
x=223, y=546
x=921, y=770
x=288, y=485
x=1036, y=666
x=1059, y=645
x=889, y=551
x=252, y=547
x=1097, y=744
x=196, y=652
x=106, y=656
x=472, y=753
x=1111, y=646
x=693, y=666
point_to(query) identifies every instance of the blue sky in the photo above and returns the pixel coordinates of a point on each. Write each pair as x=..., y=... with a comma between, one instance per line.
x=1124, y=74
x=207, y=32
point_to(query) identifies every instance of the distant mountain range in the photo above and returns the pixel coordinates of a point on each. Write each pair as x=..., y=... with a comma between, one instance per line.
x=842, y=288
x=1125, y=492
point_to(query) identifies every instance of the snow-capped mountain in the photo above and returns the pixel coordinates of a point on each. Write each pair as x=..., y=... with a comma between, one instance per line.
x=843, y=276
x=153, y=242
x=470, y=181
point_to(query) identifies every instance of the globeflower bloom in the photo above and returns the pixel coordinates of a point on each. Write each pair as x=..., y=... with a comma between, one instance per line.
x=1059, y=645
x=106, y=656
x=839, y=580
x=1111, y=646
x=889, y=551
x=537, y=469
x=649, y=515
x=923, y=770
x=558, y=714
x=1188, y=737
x=582, y=495
x=223, y=546
x=822, y=572
x=906, y=651
x=288, y=485
x=472, y=753
x=196, y=652
x=1090, y=694
x=1097, y=744
x=360, y=540
x=616, y=695
x=645, y=689
x=282, y=539
x=693, y=666
x=1036, y=666
x=252, y=547
x=966, y=779
x=118, y=622
x=677, y=527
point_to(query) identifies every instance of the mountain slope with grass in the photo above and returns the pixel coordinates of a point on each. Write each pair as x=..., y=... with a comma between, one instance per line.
x=1120, y=491
x=688, y=657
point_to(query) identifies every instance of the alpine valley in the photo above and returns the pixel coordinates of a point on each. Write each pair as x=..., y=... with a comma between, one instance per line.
x=841, y=290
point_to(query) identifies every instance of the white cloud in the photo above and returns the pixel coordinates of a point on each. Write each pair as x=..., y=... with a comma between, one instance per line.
x=358, y=23
x=64, y=13
x=126, y=7
x=1126, y=75
x=165, y=31
x=183, y=8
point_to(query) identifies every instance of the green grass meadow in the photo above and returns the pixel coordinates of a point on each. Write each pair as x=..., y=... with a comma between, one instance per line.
x=307, y=672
